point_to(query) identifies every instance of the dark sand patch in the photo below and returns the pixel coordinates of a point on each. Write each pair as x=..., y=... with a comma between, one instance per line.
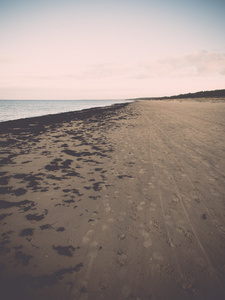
x=65, y=250
x=22, y=258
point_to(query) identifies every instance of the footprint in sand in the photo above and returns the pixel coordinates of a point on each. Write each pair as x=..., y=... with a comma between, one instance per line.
x=111, y=220
x=151, y=185
x=86, y=238
x=157, y=256
x=107, y=209
x=147, y=243
x=104, y=227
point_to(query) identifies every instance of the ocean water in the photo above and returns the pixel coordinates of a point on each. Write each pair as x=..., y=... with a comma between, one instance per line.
x=19, y=109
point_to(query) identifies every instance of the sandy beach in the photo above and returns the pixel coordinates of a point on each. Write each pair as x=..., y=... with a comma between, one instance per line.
x=123, y=202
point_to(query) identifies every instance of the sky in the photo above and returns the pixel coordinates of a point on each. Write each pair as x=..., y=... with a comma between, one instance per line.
x=110, y=49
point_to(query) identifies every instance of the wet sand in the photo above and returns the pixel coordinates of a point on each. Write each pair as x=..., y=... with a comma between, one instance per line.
x=125, y=202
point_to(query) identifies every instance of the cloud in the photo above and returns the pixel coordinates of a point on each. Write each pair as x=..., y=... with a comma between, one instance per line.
x=201, y=63
x=98, y=71
x=198, y=64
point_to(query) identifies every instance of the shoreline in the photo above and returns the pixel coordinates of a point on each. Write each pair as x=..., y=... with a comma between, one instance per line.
x=21, y=110
x=59, y=117
x=123, y=202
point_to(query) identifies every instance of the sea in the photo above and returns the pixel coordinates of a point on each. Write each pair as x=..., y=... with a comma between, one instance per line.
x=20, y=109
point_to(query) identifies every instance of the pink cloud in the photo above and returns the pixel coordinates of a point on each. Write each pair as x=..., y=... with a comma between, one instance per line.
x=201, y=63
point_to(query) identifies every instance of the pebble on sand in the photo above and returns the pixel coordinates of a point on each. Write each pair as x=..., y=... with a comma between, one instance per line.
x=122, y=236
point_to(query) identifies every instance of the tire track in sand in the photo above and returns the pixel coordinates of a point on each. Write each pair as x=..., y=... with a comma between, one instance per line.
x=211, y=269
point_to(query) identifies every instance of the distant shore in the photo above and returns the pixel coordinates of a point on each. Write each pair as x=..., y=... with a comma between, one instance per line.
x=217, y=94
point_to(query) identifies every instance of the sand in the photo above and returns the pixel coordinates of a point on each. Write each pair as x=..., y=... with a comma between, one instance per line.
x=125, y=202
